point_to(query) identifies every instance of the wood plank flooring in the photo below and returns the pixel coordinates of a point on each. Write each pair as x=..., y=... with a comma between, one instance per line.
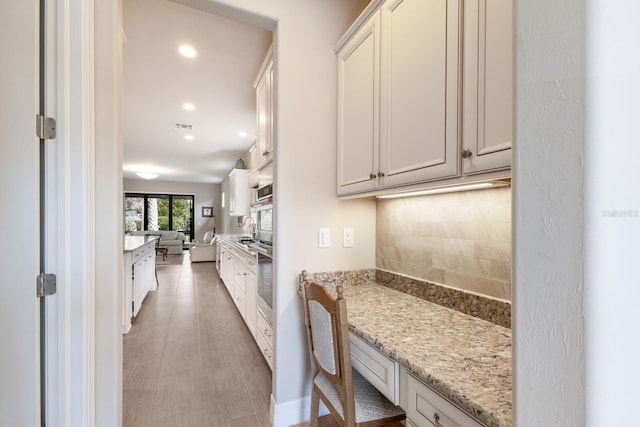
x=189, y=360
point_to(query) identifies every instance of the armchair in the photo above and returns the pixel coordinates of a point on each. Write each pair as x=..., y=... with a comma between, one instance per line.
x=205, y=250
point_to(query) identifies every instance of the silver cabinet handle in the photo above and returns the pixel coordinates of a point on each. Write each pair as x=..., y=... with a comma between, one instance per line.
x=466, y=153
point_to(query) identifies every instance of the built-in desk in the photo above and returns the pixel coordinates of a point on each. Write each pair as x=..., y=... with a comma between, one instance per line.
x=443, y=357
x=139, y=275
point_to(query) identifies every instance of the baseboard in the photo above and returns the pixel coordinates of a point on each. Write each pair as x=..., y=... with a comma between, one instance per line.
x=292, y=412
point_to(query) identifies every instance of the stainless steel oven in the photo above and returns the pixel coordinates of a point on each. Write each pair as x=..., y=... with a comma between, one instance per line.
x=264, y=223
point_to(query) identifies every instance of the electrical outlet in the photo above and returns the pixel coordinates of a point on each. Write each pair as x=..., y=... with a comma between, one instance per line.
x=347, y=237
x=324, y=237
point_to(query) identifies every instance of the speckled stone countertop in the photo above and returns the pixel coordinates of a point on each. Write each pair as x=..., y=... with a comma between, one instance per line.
x=466, y=359
x=131, y=243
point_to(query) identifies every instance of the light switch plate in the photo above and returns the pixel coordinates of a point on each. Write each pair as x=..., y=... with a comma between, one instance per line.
x=347, y=237
x=324, y=237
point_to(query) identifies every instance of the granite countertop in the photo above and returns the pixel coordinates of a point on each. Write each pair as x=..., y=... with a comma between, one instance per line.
x=465, y=359
x=131, y=243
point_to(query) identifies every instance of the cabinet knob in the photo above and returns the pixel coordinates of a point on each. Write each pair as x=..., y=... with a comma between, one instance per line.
x=380, y=174
x=266, y=153
x=372, y=176
x=466, y=153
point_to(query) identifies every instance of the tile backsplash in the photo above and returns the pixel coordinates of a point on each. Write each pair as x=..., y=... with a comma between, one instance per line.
x=462, y=240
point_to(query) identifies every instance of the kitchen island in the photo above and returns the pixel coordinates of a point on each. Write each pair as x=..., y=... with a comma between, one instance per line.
x=139, y=275
x=462, y=358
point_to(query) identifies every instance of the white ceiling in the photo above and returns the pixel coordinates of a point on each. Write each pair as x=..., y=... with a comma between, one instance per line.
x=157, y=81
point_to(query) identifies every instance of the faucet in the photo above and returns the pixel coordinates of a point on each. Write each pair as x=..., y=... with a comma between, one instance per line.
x=253, y=225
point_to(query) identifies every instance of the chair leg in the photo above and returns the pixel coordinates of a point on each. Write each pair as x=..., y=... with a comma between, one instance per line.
x=315, y=407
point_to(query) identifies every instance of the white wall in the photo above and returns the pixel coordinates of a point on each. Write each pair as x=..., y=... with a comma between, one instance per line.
x=548, y=329
x=204, y=195
x=106, y=195
x=612, y=229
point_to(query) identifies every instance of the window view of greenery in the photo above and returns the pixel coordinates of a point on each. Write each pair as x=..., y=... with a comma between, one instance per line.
x=159, y=213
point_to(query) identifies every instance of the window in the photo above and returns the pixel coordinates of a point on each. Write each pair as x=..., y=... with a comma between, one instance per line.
x=159, y=212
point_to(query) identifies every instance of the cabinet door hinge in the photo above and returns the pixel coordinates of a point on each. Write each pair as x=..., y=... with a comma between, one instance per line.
x=45, y=127
x=45, y=285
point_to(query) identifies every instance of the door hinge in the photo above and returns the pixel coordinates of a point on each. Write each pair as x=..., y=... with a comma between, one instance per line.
x=45, y=127
x=45, y=285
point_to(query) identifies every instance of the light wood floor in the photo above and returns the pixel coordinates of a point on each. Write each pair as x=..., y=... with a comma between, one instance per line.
x=189, y=360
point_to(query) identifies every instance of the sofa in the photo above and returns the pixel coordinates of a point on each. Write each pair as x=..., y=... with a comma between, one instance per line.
x=205, y=250
x=172, y=240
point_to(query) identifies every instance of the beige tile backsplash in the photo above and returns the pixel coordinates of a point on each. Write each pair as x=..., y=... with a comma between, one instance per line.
x=461, y=239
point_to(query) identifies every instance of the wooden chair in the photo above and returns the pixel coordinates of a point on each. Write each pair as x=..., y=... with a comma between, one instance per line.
x=352, y=400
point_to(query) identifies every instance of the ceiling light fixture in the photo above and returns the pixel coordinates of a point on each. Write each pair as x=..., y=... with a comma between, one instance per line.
x=147, y=175
x=189, y=137
x=187, y=51
x=242, y=134
x=450, y=189
x=188, y=106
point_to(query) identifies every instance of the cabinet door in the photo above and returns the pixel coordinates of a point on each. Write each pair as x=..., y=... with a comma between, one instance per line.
x=488, y=85
x=264, y=111
x=251, y=295
x=358, y=112
x=419, y=91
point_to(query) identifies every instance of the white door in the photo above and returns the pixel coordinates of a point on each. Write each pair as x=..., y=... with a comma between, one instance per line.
x=19, y=217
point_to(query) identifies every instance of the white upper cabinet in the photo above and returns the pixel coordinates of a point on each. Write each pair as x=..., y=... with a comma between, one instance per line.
x=264, y=111
x=488, y=85
x=358, y=113
x=419, y=91
x=239, y=192
x=403, y=117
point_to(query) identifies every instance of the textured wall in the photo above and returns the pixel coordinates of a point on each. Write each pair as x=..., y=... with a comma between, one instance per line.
x=458, y=239
x=548, y=220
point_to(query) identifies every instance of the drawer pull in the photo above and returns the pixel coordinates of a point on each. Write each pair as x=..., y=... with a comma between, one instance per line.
x=436, y=418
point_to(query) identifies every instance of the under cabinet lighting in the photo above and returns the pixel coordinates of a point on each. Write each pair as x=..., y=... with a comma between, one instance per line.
x=147, y=175
x=450, y=189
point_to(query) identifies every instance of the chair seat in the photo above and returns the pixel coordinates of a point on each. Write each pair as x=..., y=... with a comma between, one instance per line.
x=370, y=403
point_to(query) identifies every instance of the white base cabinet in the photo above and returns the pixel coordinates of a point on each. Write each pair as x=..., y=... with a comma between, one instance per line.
x=139, y=279
x=264, y=337
x=238, y=273
x=382, y=372
x=426, y=408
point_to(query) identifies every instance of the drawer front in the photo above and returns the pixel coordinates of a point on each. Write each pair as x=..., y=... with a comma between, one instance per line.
x=264, y=328
x=378, y=369
x=265, y=348
x=240, y=300
x=240, y=278
x=426, y=408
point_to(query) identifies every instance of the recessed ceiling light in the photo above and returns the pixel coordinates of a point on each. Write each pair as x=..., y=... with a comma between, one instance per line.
x=188, y=106
x=147, y=175
x=189, y=137
x=242, y=134
x=187, y=51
